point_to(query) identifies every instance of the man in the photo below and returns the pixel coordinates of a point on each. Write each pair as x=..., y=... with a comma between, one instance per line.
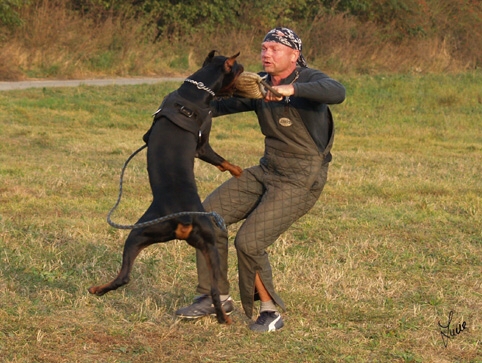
x=271, y=196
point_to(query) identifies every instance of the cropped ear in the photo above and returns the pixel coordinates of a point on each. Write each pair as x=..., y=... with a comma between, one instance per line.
x=228, y=64
x=210, y=57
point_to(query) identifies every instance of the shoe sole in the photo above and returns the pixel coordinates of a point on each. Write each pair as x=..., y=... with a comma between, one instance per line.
x=201, y=316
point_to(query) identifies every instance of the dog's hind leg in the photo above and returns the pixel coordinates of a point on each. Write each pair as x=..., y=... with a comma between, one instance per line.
x=212, y=261
x=206, y=245
x=135, y=243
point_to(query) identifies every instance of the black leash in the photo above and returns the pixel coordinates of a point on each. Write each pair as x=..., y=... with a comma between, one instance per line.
x=217, y=218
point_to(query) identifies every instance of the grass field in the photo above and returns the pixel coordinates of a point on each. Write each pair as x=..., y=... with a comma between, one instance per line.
x=392, y=248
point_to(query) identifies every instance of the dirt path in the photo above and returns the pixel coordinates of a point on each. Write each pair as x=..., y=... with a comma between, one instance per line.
x=8, y=86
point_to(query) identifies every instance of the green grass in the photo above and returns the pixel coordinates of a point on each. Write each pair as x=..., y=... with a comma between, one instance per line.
x=393, y=245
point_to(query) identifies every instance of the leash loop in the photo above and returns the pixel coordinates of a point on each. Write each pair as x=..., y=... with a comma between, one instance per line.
x=217, y=218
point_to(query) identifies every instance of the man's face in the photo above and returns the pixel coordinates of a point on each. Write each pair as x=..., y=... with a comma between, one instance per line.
x=277, y=58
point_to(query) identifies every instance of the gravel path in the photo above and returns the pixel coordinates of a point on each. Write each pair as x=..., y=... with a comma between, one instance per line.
x=8, y=86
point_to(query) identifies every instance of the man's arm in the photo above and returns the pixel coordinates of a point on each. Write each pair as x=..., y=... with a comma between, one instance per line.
x=227, y=106
x=313, y=85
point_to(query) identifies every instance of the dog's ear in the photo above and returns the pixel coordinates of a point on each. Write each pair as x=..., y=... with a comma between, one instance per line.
x=210, y=57
x=228, y=65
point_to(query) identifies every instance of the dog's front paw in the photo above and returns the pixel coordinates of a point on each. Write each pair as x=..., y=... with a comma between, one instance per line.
x=235, y=170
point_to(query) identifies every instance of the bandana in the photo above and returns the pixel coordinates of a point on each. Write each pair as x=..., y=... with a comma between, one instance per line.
x=289, y=38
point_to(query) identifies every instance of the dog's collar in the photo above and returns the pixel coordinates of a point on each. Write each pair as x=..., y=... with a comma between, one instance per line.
x=201, y=85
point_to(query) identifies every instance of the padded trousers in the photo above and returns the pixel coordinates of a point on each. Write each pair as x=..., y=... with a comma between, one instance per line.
x=269, y=198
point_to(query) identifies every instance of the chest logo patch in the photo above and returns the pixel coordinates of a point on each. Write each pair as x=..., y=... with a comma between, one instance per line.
x=284, y=121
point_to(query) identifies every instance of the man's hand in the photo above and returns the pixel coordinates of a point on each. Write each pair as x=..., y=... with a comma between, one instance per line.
x=286, y=90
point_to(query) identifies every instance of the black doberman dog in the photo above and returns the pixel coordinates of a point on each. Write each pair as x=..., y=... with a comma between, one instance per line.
x=179, y=133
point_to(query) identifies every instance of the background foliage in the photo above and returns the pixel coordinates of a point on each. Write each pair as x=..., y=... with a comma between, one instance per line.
x=80, y=38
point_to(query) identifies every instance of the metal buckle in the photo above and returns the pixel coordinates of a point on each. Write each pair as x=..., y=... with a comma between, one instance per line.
x=186, y=111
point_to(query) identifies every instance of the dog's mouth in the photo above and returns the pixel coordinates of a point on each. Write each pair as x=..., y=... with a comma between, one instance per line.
x=230, y=87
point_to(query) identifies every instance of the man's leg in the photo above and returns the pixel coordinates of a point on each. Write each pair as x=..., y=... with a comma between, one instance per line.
x=264, y=295
x=281, y=205
x=269, y=318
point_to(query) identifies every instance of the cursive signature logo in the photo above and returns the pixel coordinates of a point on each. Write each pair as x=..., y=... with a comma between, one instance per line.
x=449, y=333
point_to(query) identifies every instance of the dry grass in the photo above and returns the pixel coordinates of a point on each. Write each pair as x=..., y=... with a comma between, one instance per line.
x=392, y=246
x=55, y=43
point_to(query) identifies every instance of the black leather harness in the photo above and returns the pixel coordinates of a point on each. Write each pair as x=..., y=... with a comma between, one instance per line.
x=185, y=114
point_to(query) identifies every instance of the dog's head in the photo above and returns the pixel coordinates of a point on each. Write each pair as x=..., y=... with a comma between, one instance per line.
x=231, y=70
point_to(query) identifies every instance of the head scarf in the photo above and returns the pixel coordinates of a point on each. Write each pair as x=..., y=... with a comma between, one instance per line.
x=289, y=38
